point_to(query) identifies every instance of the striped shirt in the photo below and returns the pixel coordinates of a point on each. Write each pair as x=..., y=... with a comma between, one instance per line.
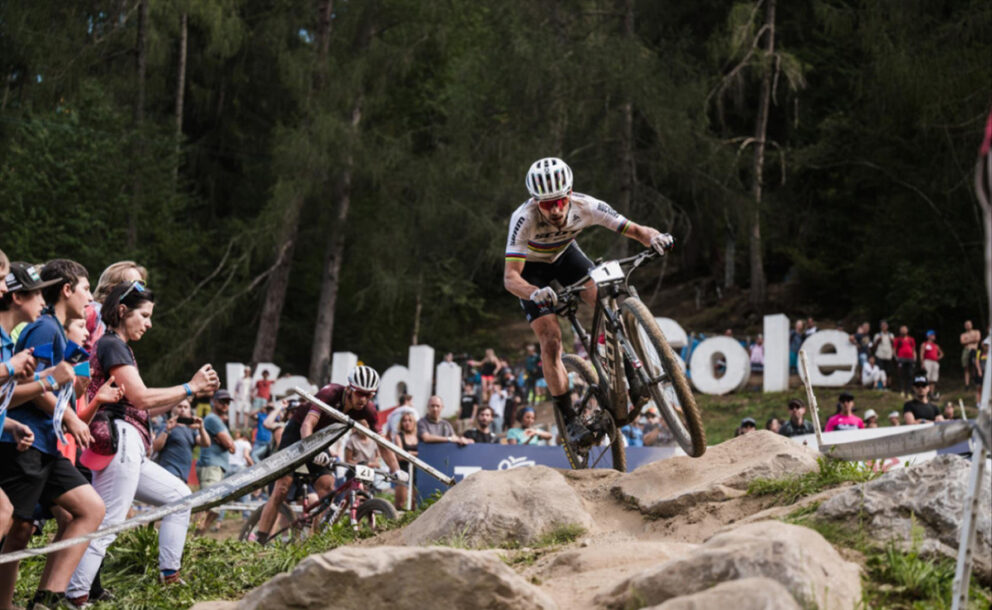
x=532, y=238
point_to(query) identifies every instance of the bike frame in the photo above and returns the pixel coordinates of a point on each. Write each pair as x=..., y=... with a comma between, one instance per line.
x=606, y=317
x=311, y=512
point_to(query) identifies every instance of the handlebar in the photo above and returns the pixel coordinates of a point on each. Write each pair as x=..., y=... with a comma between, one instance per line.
x=633, y=262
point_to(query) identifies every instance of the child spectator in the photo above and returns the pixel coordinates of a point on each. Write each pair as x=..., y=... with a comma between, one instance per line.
x=773, y=424
x=894, y=418
x=748, y=425
x=871, y=419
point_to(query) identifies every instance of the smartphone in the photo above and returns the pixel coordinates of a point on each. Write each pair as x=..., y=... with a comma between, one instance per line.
x=185, y=420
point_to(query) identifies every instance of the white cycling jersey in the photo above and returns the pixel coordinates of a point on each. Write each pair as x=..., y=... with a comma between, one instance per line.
x=534, y=239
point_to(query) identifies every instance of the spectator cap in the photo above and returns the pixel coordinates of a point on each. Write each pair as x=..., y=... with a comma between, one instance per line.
x=796, y=402
x=931, y=333
x=26, y=277
x=894, y=414
x=748, y=421
x=920, y=379
x=870, y=413
x=222, y=395
x=845, y=396
x=93, y=460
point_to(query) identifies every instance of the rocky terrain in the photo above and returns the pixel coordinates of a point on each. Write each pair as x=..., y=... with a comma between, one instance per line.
x=676, y=534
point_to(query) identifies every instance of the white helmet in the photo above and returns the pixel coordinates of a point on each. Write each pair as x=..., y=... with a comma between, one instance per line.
x=364, y=378
x=549, y=178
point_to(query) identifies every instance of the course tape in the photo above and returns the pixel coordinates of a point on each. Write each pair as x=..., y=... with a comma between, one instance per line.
x=235, y=486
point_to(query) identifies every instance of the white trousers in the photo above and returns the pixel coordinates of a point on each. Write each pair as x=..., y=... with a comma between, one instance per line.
x=129, y=476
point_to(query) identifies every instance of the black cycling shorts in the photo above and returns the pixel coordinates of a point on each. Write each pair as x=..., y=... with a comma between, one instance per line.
x=291, y=434
x=32, y=477
x=569, y=268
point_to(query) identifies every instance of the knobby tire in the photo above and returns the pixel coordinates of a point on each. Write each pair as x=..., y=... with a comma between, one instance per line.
x=576, y=458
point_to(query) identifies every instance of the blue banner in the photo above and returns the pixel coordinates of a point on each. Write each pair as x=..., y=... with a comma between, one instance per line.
x=460, y=462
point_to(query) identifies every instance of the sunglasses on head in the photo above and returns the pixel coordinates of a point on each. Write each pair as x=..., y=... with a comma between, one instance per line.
x=553, y=204
x=136, y=285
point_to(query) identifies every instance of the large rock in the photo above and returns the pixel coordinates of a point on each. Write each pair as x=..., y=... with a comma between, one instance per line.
x=797, y=557
x=496, y=507
x=670, y=487
x=398, y=578
x=743, y=594
x=927, y=497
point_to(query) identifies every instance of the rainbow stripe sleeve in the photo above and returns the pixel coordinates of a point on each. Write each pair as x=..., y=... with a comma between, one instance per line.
x=622, y=228
x=515, y=256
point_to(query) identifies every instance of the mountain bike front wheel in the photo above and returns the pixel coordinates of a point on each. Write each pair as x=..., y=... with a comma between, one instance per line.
x=668, y=386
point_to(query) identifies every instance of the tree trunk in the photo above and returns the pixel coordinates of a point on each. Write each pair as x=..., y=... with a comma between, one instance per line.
x=139, y=118
x=180, y=92
x=759, y=284
x=627, y=170
x=275, y=290
x=729, y=260
x=417, y=311
x=323, y=336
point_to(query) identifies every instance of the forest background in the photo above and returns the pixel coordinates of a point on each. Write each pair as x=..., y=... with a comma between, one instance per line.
x=303, y=177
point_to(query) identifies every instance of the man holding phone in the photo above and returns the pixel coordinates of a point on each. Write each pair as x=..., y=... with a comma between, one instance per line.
x=176, y=440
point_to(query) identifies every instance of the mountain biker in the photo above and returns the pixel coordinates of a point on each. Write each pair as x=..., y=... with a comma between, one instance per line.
x=355, y=401
x=541, y=247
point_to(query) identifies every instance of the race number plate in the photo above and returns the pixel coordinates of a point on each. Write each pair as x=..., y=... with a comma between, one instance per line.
x=364, y=473
x=606, y=273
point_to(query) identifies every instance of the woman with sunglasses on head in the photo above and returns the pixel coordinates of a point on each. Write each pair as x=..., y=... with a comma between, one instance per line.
x=119, y=454
x=355, y=401
x=541, y=247
x=117, y=273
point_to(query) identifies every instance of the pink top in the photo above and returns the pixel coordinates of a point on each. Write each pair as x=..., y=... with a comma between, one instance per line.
x=844, y=422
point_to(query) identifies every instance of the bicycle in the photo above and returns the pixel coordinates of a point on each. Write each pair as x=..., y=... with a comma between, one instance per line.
x=636, y=365
x=350, y=498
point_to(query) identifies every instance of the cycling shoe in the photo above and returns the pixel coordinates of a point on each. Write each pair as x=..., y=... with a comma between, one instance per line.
x=577, y=434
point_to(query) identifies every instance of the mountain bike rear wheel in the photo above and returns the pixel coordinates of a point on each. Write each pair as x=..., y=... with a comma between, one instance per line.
x=284, y=518
x=669, y=388
x=591, y=412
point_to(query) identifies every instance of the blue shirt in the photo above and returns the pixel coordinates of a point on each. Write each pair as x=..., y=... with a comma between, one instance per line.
x=6, y=353
x=214, y=455
x=46, y=330
x=177, y=455
x=262, y=434
x=634, y=436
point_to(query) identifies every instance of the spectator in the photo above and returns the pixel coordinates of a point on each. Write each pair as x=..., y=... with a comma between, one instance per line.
x=894, y=418
x=262, y=445
x=795, y=342
x=656, y=432
x=949, y=411
x=757, y=354
x=242, y=399
x=796, y=424
x=122, y=473
x=872, y=375
x=970, y=339
x=406, y=438
x=905, y=348
x=773, y=424
x=748, y=425
x=482, y=433
x=862, y=341
x=469, y=407
x=117, y=273
x=871, y=419
x=512, y=408
x=930, y=356
x=497, y=400
x=263, y=390
x=241, y=457
x=215, y=459
x=810, y=328
x=981, y=360
x=883, y=345
x=527, y=433
x=393, y=419
x=433, y=429
x=487, y=372
x=920, y=410
x=177, y=438
x=633, y=433
x=36, y=473
x=844, y=419
x=360, y=449
x=532, y=367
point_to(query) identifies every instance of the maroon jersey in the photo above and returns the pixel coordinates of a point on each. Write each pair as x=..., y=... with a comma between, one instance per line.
x=332, y=394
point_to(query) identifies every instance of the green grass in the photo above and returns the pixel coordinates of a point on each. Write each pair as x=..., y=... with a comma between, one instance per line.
x=894, y=578
x=830, y=473
x=563, y=534
x=722, y=414
x=213, y=569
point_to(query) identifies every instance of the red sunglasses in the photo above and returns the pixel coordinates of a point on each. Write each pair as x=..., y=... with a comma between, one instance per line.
x=552, y=204
x=362, y=393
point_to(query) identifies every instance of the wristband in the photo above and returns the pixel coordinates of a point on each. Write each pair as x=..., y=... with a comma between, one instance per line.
x=37, y=376
x=10, y=368
x=188, y=390
x=51, y=381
